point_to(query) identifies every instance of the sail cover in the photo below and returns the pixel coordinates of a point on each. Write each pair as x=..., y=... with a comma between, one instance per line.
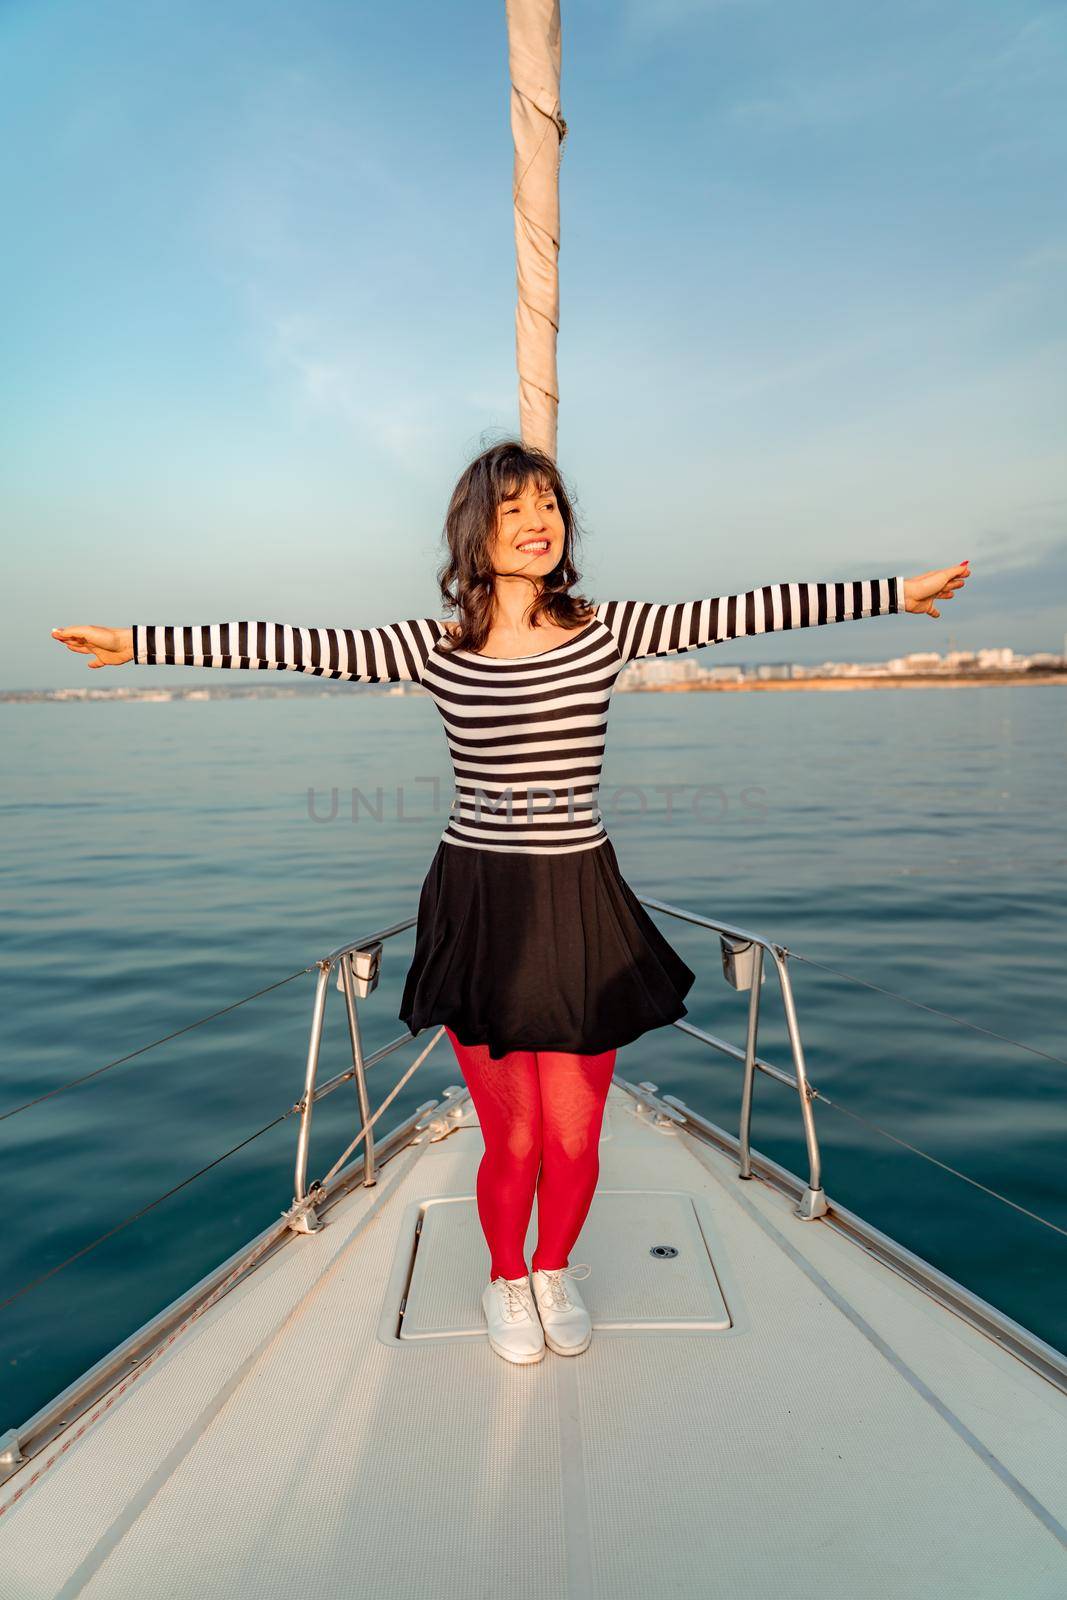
x=538, y=130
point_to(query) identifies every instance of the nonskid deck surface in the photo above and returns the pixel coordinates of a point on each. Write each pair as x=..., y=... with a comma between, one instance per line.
x=769, y=1410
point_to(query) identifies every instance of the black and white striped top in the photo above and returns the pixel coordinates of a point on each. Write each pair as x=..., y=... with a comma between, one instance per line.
x=526, y=735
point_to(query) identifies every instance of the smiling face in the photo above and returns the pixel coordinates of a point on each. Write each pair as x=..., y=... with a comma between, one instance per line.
x=530, y=533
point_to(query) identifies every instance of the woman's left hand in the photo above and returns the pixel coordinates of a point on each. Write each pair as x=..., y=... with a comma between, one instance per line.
x=921, y=592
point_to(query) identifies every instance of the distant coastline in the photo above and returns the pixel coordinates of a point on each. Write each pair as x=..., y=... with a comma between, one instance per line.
x=904, y=680
x=150, y=694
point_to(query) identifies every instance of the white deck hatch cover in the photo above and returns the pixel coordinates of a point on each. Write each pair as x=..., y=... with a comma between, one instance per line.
x=636, y=1282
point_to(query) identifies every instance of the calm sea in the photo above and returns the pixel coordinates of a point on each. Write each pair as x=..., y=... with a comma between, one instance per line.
x=162, y=861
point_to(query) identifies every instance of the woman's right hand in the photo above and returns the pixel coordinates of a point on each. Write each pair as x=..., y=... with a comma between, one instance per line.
x=109, y=647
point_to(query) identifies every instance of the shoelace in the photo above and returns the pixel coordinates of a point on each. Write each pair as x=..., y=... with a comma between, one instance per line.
x=555, y=1292
x=517, y=1297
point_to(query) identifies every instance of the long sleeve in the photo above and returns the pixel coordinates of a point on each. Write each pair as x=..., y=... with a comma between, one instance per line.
x=644, y=628
x=389, y=654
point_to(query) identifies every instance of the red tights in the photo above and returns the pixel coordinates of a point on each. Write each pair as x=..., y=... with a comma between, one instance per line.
x=538, y=1109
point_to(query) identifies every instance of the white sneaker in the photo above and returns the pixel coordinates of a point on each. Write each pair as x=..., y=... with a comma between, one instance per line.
x=515, y=1330
x=566, y=1322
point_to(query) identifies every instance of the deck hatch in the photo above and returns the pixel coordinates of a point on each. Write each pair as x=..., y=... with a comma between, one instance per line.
x=637, y=1284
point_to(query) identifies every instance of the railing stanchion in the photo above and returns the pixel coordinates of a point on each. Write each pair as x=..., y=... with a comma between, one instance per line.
x=813, y=1201
x=310, y=1074
x=360, y=1070
x=748, y=1080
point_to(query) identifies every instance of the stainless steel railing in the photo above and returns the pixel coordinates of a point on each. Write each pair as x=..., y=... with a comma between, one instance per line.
x=358, y=966
x=745, y=951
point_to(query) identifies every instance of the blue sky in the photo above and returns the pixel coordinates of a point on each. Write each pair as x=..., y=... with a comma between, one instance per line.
x=258, y=280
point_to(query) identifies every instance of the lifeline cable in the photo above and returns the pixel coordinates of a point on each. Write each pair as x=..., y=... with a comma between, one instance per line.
x=817, y=1095
x=920, y=1006
x=141, y=1050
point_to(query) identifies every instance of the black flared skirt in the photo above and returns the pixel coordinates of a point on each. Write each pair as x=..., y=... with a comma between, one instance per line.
x=539, y=952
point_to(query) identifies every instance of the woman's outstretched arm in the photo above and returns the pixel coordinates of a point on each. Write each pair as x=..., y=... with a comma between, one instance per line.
x=388, y=654
x=645, y=628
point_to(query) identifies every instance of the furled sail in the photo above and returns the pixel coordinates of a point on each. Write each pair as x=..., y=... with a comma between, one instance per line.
x=538, y=130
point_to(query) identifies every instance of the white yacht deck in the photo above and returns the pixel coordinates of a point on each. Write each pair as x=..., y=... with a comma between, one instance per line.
x=770, y=1410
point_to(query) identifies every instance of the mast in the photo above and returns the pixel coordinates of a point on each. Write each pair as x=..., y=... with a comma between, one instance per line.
x=538, y=131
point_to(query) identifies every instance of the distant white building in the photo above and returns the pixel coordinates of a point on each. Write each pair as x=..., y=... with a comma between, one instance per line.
x=917, y=661
x=662, y=670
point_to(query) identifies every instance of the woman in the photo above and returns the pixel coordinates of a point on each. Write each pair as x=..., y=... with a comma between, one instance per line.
x=530, y=947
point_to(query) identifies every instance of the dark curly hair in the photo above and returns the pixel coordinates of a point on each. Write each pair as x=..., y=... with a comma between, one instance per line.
x=466, y=578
